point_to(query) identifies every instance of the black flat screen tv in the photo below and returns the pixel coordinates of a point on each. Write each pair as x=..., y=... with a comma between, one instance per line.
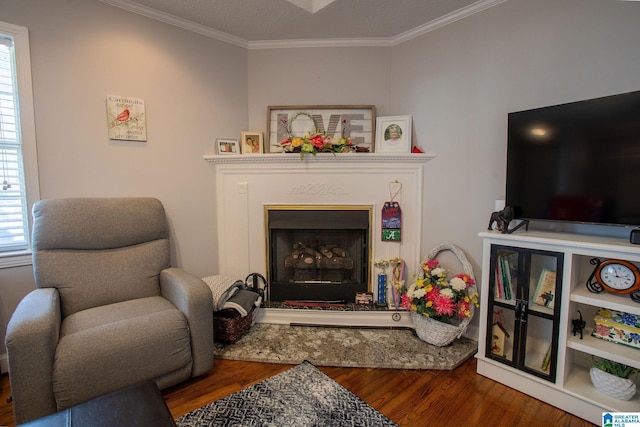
x=576, y=162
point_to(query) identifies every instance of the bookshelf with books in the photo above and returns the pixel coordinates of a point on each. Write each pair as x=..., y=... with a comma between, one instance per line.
x=524, y=286
x=527, y=342
x=506, y=277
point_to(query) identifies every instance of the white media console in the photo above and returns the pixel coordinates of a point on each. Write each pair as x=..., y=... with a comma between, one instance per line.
x=569, y=386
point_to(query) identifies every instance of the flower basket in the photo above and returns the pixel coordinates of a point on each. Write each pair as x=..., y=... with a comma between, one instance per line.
x=437, y=332
x=611, y=385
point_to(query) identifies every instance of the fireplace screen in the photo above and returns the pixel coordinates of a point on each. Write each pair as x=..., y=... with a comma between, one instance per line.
x=318, y=254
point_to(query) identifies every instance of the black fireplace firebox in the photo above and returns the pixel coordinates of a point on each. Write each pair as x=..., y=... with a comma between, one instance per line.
x=318, y=253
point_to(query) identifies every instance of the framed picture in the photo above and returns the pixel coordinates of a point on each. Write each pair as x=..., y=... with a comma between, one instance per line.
x=393, y=134
x=126, y=118
x=227, y=146
x=356, y=122
x=252, y=142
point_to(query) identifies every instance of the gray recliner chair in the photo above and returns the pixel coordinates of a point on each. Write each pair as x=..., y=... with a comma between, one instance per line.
x=108, y=311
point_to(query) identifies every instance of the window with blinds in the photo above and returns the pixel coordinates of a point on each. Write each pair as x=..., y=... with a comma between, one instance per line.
x=14, y=227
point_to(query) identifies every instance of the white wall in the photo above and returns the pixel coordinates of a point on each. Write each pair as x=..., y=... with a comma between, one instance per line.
x=317, y=76
x=194, y=87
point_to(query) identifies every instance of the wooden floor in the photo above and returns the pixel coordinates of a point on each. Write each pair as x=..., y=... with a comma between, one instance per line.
x=408, y=397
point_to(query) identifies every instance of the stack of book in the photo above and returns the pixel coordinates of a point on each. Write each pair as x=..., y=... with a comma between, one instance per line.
x=506, y=276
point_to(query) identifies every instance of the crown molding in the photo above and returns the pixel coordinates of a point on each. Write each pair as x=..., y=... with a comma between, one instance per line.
x=178, y=22
x=286, y=44
x=472, y=9
x=450, y=18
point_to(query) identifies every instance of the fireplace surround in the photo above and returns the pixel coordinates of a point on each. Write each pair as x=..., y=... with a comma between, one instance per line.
x=247, y=184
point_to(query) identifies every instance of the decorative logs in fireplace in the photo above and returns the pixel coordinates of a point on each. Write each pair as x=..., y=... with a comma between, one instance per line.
x=318, y=263
x=326, y=256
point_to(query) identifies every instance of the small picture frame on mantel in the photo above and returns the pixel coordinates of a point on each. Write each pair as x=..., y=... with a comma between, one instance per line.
x=225, y=146
x=252, y=142
x=393, y=134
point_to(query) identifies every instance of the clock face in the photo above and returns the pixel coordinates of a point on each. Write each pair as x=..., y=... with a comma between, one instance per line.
x=617, y=276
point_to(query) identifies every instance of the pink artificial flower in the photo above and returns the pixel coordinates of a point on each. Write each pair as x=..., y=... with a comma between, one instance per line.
x=317, y=141
x=285, y=141
x=444, y=306
x=430, y=264
x=406, y=302
x=433, y=294
x=463, y=309
x=467, y=279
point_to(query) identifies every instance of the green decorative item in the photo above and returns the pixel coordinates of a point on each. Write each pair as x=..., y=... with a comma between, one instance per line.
x=614, y=379
x=389, y=235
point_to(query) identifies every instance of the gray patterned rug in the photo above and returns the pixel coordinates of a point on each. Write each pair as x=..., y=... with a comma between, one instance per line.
x=348, y=347
x=301, y=396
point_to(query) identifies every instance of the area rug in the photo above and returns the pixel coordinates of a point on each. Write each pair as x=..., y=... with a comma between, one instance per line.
x=347, y=347
x=301, y=396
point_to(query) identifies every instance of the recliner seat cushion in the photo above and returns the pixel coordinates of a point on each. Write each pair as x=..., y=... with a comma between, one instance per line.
x=134, y=341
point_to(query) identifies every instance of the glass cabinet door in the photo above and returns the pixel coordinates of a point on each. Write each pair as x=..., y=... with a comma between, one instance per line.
x=524, y=309
x=540, y=313
x=504, y=285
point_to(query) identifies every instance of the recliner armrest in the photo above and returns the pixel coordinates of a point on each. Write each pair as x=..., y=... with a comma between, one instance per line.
x=193, y=298
x=31, y=339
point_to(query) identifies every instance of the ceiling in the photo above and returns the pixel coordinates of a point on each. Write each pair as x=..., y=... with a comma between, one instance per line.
x=260, y=22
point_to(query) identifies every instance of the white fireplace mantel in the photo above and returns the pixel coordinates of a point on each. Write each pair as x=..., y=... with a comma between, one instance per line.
x=245, y=184
x=320, y=157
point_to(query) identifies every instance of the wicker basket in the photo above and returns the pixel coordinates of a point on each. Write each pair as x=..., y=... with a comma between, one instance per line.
x=611, y=385
x=436, y=332
x=229, y=326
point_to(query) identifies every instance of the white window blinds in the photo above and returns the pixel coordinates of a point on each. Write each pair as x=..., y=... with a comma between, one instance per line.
x=14, y=218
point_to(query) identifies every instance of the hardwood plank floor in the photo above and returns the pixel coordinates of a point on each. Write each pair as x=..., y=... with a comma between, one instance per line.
x=409, y=397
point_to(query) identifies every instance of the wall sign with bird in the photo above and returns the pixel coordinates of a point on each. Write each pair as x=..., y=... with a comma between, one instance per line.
x=126, y=118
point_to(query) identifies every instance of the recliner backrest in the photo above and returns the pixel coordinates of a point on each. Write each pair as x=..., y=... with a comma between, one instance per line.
x=99, y=251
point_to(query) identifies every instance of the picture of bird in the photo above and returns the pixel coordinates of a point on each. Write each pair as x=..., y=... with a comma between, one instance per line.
x=124, y=116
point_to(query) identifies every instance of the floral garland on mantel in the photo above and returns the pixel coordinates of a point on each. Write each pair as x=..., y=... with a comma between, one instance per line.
x=313, y=142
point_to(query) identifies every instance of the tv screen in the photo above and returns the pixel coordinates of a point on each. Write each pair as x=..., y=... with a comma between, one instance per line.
x=577, y=162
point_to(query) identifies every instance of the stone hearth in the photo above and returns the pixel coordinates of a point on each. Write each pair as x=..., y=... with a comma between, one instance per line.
x=246, y=184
